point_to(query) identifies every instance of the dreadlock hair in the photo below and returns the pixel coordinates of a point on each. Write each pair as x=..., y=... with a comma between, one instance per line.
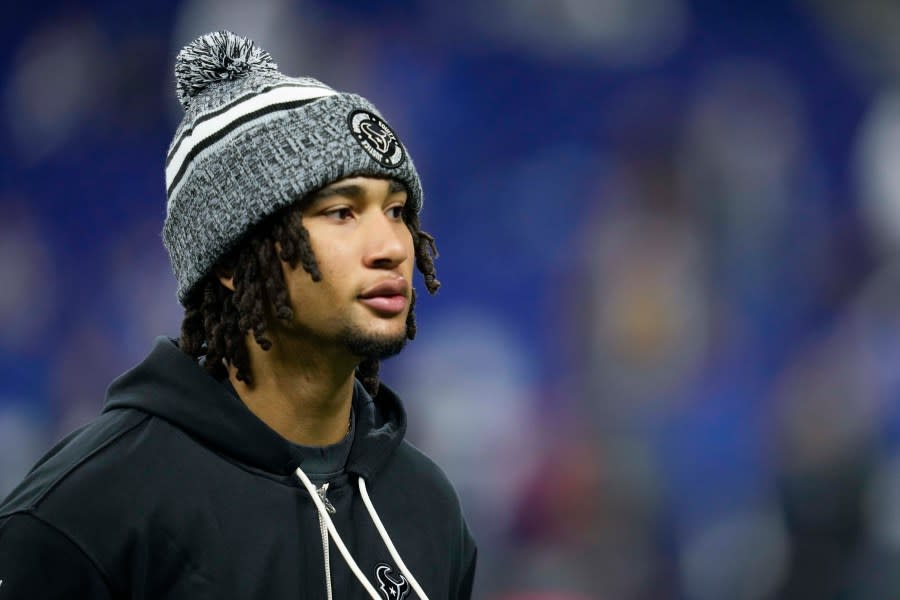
x=217, y=320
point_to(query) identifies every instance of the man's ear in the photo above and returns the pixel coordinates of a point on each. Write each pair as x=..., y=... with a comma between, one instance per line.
x=225, y=278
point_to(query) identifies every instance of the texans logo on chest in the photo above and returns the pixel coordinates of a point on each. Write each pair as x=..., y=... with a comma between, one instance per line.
x=393, y=585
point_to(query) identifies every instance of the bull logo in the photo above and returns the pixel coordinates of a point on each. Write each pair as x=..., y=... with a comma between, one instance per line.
x=378, y=135
x=376, y=138
x=393, y=586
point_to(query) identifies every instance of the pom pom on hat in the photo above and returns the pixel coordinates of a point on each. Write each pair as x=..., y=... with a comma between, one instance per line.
x=216, y=57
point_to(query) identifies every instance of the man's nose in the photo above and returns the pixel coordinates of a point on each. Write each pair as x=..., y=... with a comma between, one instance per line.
x=387, y=245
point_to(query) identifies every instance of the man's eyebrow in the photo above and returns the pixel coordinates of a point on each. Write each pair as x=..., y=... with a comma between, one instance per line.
x=352, y=192
x=396, y=187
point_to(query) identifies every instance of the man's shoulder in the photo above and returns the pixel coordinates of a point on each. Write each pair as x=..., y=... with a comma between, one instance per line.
x=412, y=464
x=414, y=488
x=93, y=442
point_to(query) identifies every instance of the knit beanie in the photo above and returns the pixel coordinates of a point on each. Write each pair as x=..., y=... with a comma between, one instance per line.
x=253, y=141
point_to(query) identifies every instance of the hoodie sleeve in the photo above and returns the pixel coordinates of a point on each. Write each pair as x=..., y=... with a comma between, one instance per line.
x=37, y=561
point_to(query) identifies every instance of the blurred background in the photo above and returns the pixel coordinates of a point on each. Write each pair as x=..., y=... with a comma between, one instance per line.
x=664, y=361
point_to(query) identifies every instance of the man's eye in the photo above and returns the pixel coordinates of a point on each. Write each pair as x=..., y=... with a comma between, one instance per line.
x=339, y=214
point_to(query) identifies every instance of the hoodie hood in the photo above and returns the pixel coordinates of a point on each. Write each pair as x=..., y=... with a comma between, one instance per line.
x=170, y=385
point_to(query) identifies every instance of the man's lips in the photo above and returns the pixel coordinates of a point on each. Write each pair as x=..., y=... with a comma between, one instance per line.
x=387, y=298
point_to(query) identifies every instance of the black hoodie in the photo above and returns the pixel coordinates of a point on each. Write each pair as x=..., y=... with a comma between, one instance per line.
x=178, y=491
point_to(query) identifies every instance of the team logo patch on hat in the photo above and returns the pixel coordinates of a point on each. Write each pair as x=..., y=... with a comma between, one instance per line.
x=376, y=138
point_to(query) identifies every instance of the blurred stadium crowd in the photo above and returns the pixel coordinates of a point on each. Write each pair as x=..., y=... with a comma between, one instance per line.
x=664, y=362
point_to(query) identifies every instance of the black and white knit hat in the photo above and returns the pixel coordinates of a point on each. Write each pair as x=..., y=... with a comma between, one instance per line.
x=253, y=141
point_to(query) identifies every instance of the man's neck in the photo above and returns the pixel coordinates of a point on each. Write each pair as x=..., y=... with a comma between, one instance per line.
x=302, y=393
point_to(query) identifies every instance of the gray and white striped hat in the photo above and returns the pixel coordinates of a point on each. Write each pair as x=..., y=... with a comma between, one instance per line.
x=253, y=141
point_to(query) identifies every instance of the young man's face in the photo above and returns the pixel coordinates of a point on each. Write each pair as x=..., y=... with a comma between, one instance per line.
x=365, y=254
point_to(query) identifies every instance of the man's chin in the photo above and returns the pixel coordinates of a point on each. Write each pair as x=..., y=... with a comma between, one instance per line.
x=371, y=346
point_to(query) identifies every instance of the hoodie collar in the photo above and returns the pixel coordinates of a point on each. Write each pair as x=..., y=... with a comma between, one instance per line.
x=169, y=384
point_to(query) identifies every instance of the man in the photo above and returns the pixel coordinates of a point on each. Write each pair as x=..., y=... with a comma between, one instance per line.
x=259, y=456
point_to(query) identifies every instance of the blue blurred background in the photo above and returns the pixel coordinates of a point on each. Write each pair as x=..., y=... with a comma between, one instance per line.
x=664, y=362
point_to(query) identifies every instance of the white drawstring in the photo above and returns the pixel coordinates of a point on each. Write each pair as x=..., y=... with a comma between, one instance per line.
x=320, y=506
x=335, y=535
x=387, y=540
